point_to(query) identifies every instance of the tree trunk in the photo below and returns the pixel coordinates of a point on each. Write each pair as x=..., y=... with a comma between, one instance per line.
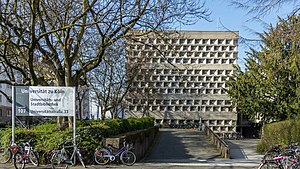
x=70, y=121
x=103, y=114
x=79, y=110
x=61, y=122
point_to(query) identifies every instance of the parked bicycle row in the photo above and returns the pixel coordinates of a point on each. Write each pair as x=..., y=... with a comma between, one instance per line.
x=67, y=153
x=282, y=157
x=181, y=125
x=231, y=136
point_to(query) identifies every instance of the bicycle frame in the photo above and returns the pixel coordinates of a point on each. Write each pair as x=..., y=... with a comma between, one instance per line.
x=110, y=153
x=113, y=156
x=285, y=161
x=68, y=157
x=74, y=153
x=282, y=161
x=119, y=151
x=27, y=150
x=24, y=149
x=66, y=154
x=24, y=155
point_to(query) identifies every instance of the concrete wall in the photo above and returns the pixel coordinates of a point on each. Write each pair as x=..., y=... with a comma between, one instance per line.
x=141, y=140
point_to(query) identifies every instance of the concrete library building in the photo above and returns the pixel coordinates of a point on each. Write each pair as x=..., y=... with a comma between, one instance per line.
x=179, y=78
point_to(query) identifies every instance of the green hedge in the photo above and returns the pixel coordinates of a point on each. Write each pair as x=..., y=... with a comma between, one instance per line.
x=2, y=125
x=279, y=133
x=47, y=136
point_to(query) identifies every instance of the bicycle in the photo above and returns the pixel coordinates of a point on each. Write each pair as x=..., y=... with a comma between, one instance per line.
x=280, y=162
x=24, y=155
x=275, y=151
x=48, y=156
x=61, y=158
x=105, y=155
x=6, y=153
x=281, y=158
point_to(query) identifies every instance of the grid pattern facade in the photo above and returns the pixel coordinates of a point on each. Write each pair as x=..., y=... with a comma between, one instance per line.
x=183, y=78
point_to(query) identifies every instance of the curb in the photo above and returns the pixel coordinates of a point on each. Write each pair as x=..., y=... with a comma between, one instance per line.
x=201, y=164
x=217, y=163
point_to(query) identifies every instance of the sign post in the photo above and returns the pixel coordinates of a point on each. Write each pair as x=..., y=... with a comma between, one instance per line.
x=13, y=117
x=43, y=101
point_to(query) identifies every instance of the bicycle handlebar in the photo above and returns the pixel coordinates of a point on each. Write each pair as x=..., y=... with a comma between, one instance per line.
x=27, y=143
x=70, y=139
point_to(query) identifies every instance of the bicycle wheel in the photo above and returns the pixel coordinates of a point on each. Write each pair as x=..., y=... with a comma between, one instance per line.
x=33, y=158
x=57, y=160
x=80, y=158
x=128, y=158
x=101, y=156
x=19, y=162
x=269, y=166
x=5, y=155
x=295, y=165
x=270, y=155
x=49, y=156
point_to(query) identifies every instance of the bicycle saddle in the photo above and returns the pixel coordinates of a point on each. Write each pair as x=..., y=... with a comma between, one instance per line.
x=110, y=145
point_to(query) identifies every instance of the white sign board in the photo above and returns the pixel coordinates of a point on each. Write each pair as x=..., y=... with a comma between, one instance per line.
x=51, y=101
x=45, y=101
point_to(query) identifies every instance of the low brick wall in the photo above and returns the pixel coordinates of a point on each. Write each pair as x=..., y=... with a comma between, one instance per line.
x=217, y=141
x=141, y=139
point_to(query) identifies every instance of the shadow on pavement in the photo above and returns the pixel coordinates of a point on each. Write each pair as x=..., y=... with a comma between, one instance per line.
x=168, y=146
x=236, y=152
x=181, y=146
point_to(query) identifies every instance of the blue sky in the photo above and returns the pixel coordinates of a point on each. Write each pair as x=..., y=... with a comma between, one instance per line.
x=224, y=15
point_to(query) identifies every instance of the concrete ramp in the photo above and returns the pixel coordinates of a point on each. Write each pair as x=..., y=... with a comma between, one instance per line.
x=244, y=149
x=182, y=145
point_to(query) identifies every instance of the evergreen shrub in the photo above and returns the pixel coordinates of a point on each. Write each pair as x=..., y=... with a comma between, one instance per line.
x=279, y=133
x=47, y=136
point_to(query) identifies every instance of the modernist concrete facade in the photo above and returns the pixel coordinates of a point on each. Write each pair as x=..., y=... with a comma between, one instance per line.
x=182, y=78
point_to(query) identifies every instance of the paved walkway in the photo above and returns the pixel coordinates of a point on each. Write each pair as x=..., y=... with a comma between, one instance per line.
x=244, y=149
x=182, y=145
x=179, y=146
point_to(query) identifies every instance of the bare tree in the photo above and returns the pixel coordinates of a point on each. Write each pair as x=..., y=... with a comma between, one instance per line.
x=112, y=79
x=264, y=7
x=57, y=42
x=108, y=82
x=257, y=11
x=81, y=94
